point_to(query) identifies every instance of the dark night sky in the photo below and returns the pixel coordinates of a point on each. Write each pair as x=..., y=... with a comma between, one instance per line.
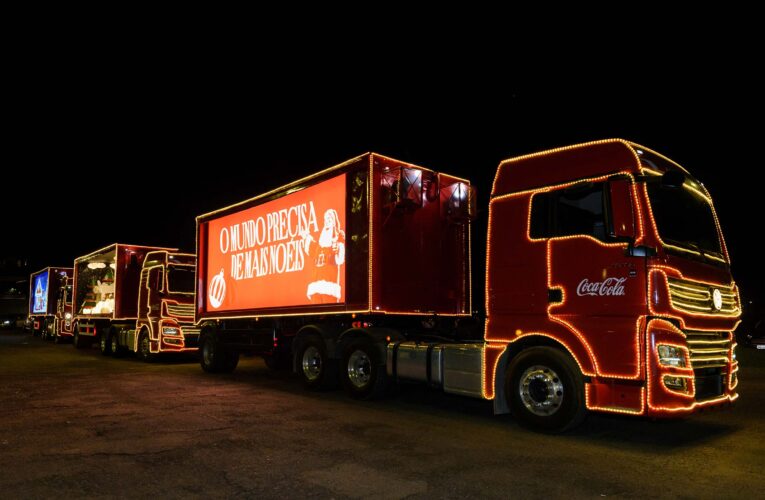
x=123, y=146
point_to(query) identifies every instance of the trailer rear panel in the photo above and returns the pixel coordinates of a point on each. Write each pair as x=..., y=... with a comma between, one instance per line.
x=43, y=289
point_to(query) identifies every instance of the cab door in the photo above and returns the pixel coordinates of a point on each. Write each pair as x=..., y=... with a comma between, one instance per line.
x=594, y=287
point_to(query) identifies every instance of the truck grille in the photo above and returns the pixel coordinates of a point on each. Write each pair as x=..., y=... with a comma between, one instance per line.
x=183, y=310
x=694, y=297
x=708, y=349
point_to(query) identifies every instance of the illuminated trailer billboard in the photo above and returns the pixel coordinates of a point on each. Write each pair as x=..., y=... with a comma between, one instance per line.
x=336, y=242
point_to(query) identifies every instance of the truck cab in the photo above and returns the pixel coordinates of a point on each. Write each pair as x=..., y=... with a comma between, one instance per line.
x=63, y=320
x=166, y=304
x=611, y=255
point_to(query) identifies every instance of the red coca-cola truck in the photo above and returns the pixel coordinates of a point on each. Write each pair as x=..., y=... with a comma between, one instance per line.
x=134, y=298
x=44, y=289
x=607, y=284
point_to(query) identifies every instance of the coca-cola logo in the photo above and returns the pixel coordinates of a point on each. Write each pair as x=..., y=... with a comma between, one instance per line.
x=609, y=286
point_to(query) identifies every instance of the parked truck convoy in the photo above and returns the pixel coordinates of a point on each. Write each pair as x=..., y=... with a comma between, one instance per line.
x=45, y=288
x=134, y=298
x=607, y=284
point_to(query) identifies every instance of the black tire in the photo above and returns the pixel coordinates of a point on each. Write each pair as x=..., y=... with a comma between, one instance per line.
x=117, y=350
x=105, y=342
x=144, y=348
x=545, y=390
x=77, y=341
x=58, y=339
x=47, y=333
x=363, y=372
x=215, y=358
x=317, y=371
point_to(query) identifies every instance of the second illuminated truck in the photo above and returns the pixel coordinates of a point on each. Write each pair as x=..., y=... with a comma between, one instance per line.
x=607, y=284
x=134, y=298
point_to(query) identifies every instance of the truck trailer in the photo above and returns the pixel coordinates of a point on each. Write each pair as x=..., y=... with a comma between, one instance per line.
x=134, y=298
x=607, y=284
x=44, y=291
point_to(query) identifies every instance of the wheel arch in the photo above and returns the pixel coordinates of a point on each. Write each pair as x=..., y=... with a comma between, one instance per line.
x=513, y=349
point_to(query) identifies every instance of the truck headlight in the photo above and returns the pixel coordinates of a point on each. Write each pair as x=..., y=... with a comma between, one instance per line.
x=68, y=316
x=170, y=330
x=670, y=355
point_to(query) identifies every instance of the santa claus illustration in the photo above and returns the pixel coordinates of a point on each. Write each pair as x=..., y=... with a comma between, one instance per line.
x=328, y=257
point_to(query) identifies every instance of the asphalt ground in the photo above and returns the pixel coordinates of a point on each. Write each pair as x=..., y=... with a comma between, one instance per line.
x=76, y=424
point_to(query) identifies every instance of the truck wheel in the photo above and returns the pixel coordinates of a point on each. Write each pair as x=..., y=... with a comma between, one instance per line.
x=105, y=343
x=58, y=339
x=144, y=348
x=363, y=375
x=77, y=340
x=214, y=358
x=546, y=390
x=117, y=349
x=316, y=369
x=47, y=331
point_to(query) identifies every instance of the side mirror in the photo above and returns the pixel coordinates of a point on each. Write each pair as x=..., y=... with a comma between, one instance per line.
x=622, y=214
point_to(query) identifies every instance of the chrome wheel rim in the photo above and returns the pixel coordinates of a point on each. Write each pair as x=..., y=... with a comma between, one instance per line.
x=311, y=363
x=359, y=368
x=114, y=343
x=103, y=343
x=541, y=390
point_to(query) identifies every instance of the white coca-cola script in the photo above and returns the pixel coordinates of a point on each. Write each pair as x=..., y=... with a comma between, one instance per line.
x=609, y=286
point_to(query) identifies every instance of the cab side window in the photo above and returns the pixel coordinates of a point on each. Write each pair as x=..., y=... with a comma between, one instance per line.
x=578, y=210
x=157, y=279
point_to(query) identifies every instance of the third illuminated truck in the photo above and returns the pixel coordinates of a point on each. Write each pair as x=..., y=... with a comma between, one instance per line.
x=607, y=284
x=45, y=292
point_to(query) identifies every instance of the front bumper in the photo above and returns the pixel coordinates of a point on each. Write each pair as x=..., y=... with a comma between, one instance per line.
x=708, y=378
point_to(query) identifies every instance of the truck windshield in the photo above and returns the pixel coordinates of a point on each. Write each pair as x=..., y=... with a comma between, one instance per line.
x=180, y=279
x=685, y=221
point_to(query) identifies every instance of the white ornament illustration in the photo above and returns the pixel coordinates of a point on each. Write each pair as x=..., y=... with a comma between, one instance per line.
x=217, y=290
